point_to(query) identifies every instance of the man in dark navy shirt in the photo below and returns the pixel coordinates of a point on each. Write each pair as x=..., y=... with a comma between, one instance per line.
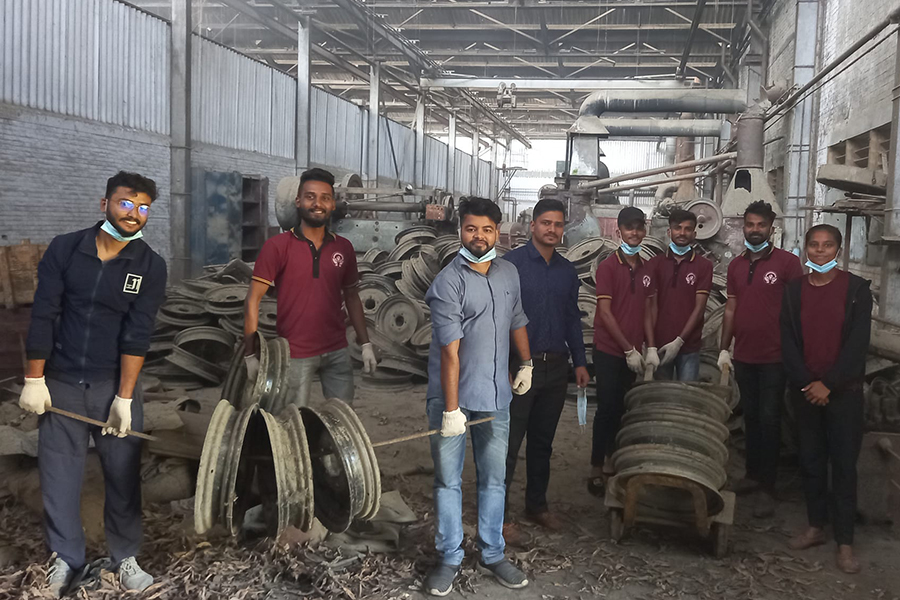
x=549, y=286
x=94, y=309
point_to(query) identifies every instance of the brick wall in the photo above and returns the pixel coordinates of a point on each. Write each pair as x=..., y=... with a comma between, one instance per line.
x=54, y=172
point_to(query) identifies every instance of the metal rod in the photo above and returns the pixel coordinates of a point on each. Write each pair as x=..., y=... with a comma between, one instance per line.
x=656, y=171
x=90, y=421
x=410, y=207
x=655, y=182
x=788, y=104
x=423, y=434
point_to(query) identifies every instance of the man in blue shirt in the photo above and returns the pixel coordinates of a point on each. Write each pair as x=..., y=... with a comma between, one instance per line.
x=550, y=298
x=476, y=309
x=93, y=314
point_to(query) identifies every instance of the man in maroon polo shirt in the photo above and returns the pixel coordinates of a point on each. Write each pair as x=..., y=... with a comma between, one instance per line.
x=315, y=273
x=683, y=281
x=621, y=325
x=756, y=282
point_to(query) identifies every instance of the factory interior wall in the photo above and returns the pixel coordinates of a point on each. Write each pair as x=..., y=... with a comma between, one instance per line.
x=54, y=172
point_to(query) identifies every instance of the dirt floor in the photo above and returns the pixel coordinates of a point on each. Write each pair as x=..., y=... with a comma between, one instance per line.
x=578, y=562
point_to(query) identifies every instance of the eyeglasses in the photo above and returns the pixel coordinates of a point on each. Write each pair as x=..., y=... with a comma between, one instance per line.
x=128, y=206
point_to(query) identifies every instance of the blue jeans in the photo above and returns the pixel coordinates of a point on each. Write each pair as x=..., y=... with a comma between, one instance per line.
x=489, y=445
x=335, y=374
x=686, y=365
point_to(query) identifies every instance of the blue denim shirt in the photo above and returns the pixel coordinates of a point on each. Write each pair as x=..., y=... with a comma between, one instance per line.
x=550, y=300
x=480, y=311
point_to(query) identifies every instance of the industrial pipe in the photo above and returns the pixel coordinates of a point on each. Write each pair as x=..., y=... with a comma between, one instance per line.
x=664, y=127
x=893, y=17
x=405, y=207
x=660, y=181
x=664, y=101
x=656, y=171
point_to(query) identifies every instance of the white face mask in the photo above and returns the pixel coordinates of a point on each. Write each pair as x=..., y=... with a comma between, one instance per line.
x=822, y=268
x=488, y=256
x=114, y=233
x=629, y=249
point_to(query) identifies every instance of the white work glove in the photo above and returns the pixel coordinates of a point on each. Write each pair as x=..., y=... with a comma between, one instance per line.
x=652, y=358
x=368, y=358
x=522, y=382
x=671, y=350
x=119, y=420
x=454, y=423
x=724, y=359
x=35, y=395
x=634, y=360
x=252, y=364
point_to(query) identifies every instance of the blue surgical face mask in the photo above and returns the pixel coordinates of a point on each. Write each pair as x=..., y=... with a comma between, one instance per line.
x=679, y=250
x=489, y=255
x=114, y=233
x=821, y=268
x=757, y=248
x=628, y=249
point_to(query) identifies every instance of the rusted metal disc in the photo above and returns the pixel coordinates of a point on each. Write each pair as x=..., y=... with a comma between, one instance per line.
x=385, y=380
x=183, y=322
x=268, y=314
x=422, y=337
x=388, y=284
x=584, y=252
x=658, y=459
x=398, y=318
x=212, y=344
x=232, y=326
x=683, y=394
x=679, y=415
x=254, y=389
x=226, y=299
x=390, y=268
x=670, y=433
x=384, y=344
x=236, y=379
x=419, y=233
x=414, y=366
x=587, y=307
x=182, y=308
x=195, y=365
x=279, y=363
x=409, y=290
x=372, y=296
x=371, y=474
x=375, y=255
x=404, y=250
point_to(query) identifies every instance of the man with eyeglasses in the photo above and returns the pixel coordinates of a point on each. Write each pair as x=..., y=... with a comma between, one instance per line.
x=93, y=314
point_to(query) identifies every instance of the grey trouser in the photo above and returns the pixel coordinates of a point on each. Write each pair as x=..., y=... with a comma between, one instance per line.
x=335, y=372
x=62, y=448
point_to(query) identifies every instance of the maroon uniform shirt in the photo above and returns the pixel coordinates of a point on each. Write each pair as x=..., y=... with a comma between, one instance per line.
x=677, y=287
x=822, y=312
x=758, y=287
x=627, y=289
x=310, y=287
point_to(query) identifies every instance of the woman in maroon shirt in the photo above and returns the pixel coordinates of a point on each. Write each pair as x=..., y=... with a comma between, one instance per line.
x=826, y=320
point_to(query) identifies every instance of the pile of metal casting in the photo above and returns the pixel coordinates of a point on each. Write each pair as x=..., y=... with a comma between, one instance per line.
x=674, y=429
x=316, y=461
x=199, y=324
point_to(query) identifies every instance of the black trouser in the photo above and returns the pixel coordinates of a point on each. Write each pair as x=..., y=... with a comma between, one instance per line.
x=536, y=414
x=762, y=396
x=830, y=433
x=614, y=379
x=62, y=448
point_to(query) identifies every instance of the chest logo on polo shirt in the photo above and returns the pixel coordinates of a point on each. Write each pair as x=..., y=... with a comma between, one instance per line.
x=132, y=283
x=646, y=281
x=338, y=259
x=691, y=279
x=771, y=277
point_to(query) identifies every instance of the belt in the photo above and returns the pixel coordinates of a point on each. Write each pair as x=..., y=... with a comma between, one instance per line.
x=549, y=356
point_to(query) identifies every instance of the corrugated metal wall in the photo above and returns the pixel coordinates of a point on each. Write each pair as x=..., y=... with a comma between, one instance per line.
x=241, y=103
x=435, y=163
x=338, y=131
x=94, y=59
x=403, y=140
x=463, y=175
x=484, y=178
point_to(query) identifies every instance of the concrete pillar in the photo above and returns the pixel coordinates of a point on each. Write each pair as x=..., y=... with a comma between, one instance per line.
x=473, y=178
x=180, y=142
x=302, y=132
x=451, y=154
x=798, y=161
x=419, y=172
x=890, y=266
x=372, y=147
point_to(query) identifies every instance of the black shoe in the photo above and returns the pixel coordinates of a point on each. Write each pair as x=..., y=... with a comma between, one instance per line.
x=506, y=573
x=440, y=581
x=597, y=486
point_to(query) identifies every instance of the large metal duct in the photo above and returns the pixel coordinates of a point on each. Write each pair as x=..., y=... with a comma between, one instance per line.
x=664, y=101
x=649, y=127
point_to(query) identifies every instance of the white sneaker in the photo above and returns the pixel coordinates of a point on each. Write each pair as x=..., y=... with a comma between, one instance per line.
x=132, y=576
x=59, y=577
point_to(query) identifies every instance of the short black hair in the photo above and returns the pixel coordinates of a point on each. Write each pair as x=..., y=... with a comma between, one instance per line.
x=680, y=216
x=631, y=215
x=761, y=208
x=133, y=181
x=316, y=174
x=834, y=231
x=479, y=207
x=548, y=205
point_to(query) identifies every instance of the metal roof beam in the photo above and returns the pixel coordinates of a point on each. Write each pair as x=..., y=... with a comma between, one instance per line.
x=686, y=53
x=546, y=84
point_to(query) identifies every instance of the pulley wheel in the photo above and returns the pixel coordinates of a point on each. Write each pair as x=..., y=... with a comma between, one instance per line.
x=398, y=318
x=709, y=217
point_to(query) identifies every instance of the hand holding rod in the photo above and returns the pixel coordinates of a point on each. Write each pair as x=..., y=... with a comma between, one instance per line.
x=90, y=421
x=423, y=434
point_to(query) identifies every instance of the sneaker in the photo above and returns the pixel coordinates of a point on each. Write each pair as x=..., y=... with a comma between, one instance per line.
x=506, y=573
x=440, y=581
x=59, y=578
x=132, y=576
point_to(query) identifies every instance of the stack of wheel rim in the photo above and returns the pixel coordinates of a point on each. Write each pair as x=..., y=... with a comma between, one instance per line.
x=675, y=429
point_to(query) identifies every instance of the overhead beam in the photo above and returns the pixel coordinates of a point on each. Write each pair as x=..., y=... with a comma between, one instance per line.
x=547, y=84
x=698, y=14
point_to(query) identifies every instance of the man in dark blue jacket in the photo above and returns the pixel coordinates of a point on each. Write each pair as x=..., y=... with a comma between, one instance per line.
x=93, y=314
